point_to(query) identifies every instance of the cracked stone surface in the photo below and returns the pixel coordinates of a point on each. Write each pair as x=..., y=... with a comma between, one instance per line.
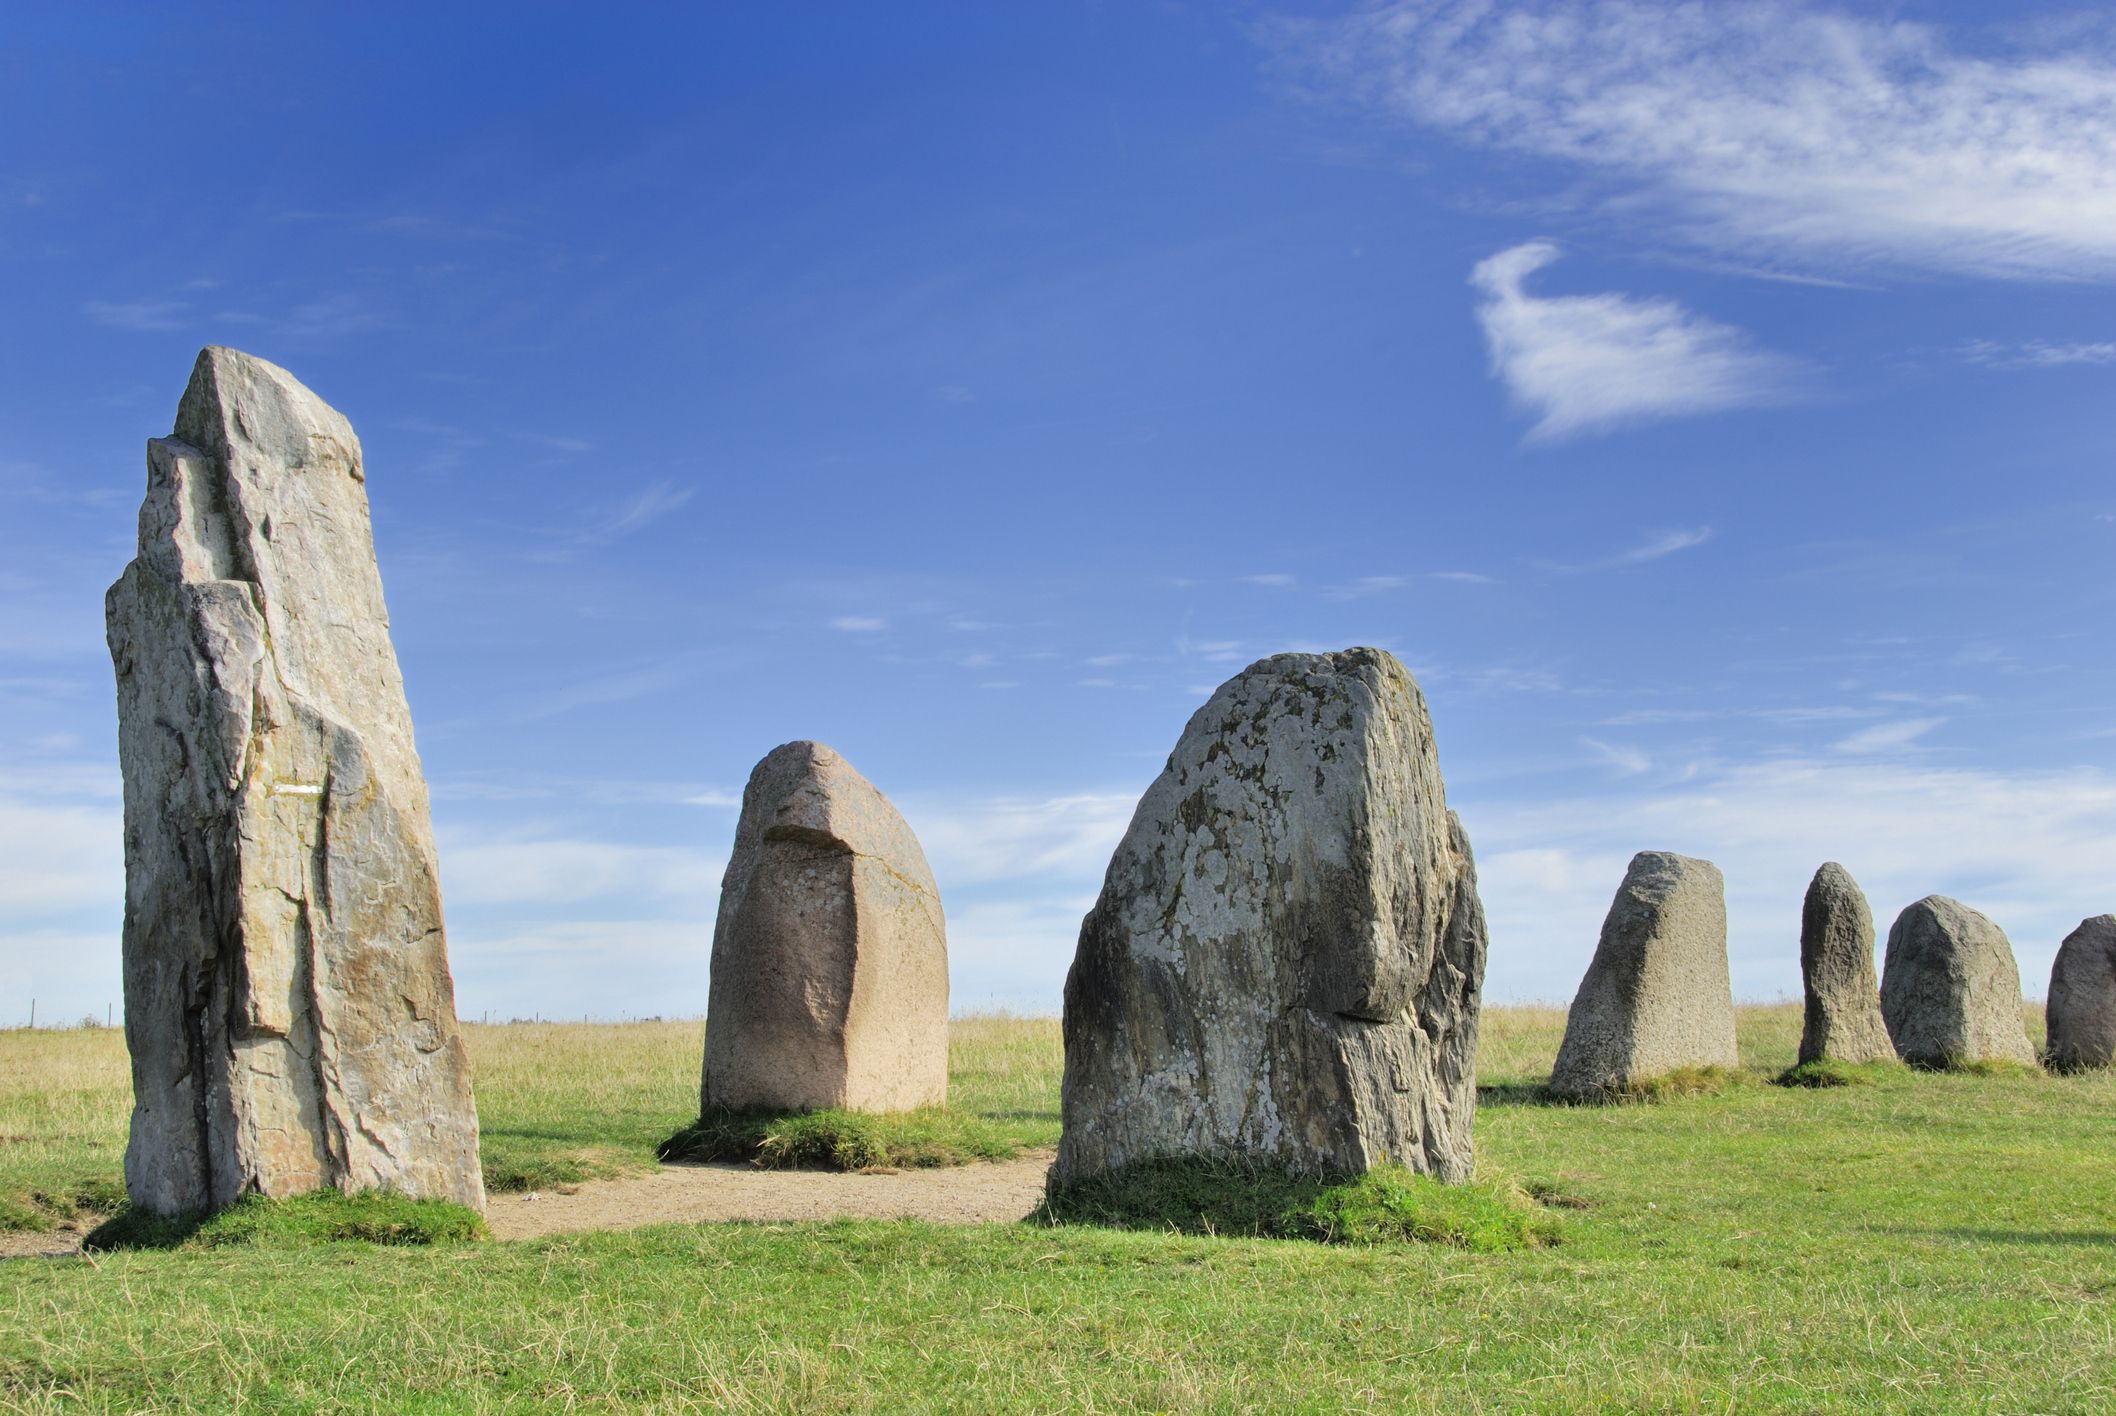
x=1950, y=989
x=830, y=958
x=1843, y=1019
x=1285, y=961
x=1657, y=995
x=288, y=1004
x=2081, y=1011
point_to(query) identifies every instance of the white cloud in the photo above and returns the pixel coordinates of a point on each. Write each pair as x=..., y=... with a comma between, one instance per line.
x=1587, y=363
x=566, y=872
x=2030, y=849
x=61, y=858
x=1770, y=130
x=982, y=840
x=1274, y=580
x=1462, y=577
x=1889, y=737
x=859, y=624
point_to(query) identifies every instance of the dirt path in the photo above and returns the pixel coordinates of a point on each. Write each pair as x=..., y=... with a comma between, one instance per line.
x=55, y=1244
x=693, y=1194
x=701, y=1194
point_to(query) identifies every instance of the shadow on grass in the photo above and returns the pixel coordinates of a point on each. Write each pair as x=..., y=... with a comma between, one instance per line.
x=327, y=1216
x=841, y=1140
x=1387, y=1205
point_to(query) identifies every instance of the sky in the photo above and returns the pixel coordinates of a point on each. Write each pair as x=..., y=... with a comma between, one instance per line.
x=1713, y=405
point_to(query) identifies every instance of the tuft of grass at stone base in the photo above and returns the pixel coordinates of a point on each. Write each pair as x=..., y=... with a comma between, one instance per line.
x=1387, y=1205
x=1662, y=1086
x=1830, y=1072
x=842, y=1140
x=327, y=1216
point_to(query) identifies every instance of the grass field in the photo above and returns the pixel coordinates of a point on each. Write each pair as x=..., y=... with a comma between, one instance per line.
x=1918, y=1242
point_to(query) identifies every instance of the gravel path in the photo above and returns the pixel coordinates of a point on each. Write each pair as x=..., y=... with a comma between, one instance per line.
x=692, y=1194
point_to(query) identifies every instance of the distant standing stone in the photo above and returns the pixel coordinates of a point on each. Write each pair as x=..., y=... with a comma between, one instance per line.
x=1657, y=995
x=1284, y=964
x=287, y=998
x=2082, y=1006
x=1837, y=966
x=830, y=960
x=1950, y=989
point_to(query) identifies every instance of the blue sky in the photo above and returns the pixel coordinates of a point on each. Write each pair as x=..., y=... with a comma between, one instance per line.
x=1711, y=404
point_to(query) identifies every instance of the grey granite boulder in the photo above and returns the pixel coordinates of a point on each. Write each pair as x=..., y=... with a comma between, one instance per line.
x=1843, y=1019
x=287, y=998
x=1950, y=989
x=1657, y=995
x=1284, y=964
x=830, y=959
x=2081, y=1009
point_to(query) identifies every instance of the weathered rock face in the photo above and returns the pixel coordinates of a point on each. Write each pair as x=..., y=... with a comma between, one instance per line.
x=1657, y=995
x=830, y=960
x=2081, y=1010
x=1837, y=966
x=1285, y=961
x=1950, y=989
x=287, y=998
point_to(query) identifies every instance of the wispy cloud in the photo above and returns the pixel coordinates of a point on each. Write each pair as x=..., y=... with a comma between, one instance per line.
x=1627, y=760
x=1889, y=737
x=139, y=316
x=1770, y=130
x=859, y=624
x=1657, y=545
x=2037, y=354
x=1365, y=586
x=649, y=504
x=1276, y=580
x=1587, y=363
x=1462, y=577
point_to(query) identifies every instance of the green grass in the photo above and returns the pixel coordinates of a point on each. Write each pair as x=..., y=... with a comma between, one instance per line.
x=1387, y=1205
x=326, y=1217
x=843, y=1140
x=1920, y=1242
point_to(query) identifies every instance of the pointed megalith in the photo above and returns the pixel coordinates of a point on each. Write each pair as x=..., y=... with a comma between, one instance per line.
x=830, y=960
x=2081, y=1009
x=1950, y=989
x=1657, y=995
x=1284, y=964
x=287, y=999
x=1837, y=967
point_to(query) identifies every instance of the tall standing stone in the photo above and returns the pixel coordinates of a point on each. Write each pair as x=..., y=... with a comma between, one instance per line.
x=830, y=958
x=1657, y=995
x=2081, y=1008
x=1284, y=964
x=1837, y=966
x=287, y=998
x=1950, y=989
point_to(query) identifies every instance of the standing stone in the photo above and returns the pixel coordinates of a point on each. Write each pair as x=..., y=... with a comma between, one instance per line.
x=1837, y=966
x=1284, y=964
x=2081, y=1009
x=287, y=998
x=830, y=959
x=1657, y=995
x=1950, y=990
